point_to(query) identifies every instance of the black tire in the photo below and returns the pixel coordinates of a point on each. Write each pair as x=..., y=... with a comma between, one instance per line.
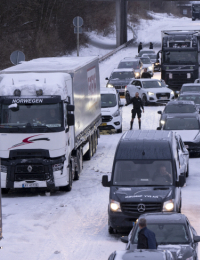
x=111, y=230
x=78, y=168
x=193, y=19
x=4, y=190
x=95, y=141
x=89, y=154
x=69, y=186
x=93, y=144
x=128, y=99
x=144, y=100
x=187, y=173
x=119, y=130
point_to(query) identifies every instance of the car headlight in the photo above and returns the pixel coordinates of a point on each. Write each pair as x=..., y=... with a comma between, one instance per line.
x=137, y=74
x=115, y=206
x=188, y=75
x=162, y=122
x=168, y=205
x=172, y=93
x=150, y=93
x=170, y=76
x=150, y=68
x=3, y=168
x=156, y=64
x=110, y=86
x=58, y=167
x=117, y=113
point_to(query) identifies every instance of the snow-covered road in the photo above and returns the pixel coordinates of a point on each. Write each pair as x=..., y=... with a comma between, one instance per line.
x=69, y=226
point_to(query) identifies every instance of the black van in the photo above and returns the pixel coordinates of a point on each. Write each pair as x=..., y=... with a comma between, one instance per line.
x=145, y=177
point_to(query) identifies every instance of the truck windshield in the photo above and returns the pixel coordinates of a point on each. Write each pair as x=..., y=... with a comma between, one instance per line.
x=143, y=173
x=170, y=109
x=195, y=98
x=166, y=233
x=128, y=65
x=108, y=100
x=122, y=75
x=180, y=57
x=181, y=124
x=190, y=88
x=31, y=115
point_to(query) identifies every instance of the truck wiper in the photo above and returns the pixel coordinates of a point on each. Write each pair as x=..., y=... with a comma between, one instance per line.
x=40, y=126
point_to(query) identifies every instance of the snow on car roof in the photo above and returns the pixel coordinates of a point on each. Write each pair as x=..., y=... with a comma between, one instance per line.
x=180, y=102
x=108, y=90
x=122, y=70
x=160, y=217
x=28, y=83
x=191, y=84
x=60, y=64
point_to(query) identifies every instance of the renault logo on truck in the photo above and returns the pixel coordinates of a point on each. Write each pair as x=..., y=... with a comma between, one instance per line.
x=141, y=208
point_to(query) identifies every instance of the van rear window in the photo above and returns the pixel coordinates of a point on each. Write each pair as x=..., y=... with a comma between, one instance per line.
x=143, y=173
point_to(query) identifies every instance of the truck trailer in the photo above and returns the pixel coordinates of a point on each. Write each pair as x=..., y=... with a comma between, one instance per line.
x=50, y=113
x=179, y=57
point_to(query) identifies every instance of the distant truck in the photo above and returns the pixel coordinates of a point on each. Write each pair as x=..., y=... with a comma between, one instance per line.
x=195, y=11
x=49, y=118
x=179, y=57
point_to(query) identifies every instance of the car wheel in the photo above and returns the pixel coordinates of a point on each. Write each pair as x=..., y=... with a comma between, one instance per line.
x=111, y=230
x=128, y=99
x=144, y=100
x=187, y=173
x=119, y=130
x=4, y=190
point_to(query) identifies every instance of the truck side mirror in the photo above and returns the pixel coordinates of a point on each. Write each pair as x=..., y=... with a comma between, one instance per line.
x=159, y=128
x=105, y=181
x=181, y=181
x=196, y=239
x=124, y=239
x=70, y=108
x=70, y=119
x=160, y=112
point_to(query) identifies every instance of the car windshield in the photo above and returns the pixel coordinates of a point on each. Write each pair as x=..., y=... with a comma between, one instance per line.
x=166, y=233
x=195, y=98
x=122, y=75
x=145, y=60
x=142, y=173
x=180, y=57
x=152, y=84
x=180, y=108
x=145, y=52
x=190, y=89
x=108, y=100
x=128, y=65
x=31, y=115
x=152, y=56
x=181, y=124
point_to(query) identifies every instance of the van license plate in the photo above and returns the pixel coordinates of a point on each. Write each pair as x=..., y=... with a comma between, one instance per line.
x=104, y=124
x=30, y=185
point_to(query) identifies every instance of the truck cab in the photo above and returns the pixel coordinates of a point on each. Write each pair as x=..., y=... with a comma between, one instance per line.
x=145, y=178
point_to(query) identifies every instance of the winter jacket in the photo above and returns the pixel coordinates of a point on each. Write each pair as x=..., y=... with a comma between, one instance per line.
x=146, y=239
x=146, y=75
x=139, y=47
x=137, y=103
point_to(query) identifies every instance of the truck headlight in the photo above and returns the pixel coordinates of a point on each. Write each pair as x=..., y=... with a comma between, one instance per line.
x=188, y=75
x=170, y=76
x=150, y=93
x=172, y=93
x=3, y=168
x=162, y=122
x=117, y=113
x=168, y=205
x=110, y=86
x=115, y=206
x=57, y=167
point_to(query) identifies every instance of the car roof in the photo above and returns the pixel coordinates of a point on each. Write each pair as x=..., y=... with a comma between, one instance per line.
x=144, y=144
x=161, y=217
x=191, y=84
x=189, y=93
x=145, y=49
x=188, y=115
x=148, y=79
x=180, y=102
x=123, y=69
x=108, y=91
x=140, y=254
x=129, y=59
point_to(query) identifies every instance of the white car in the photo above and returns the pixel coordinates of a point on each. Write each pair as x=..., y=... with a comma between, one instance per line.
x=150, y=91
x=111, y=112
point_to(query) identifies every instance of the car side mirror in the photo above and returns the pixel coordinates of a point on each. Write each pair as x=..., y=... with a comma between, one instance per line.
x=159, y=128
x=160, y=112
x=105, y=181
x=181, y=181
x=124, y=239
x=196, y=239
x=107, y=78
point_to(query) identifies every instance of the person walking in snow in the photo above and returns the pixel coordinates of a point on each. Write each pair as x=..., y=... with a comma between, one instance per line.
x=146, y=74
x=139, y=47
x=137, y=105
x=146, y=237
x=151, y=45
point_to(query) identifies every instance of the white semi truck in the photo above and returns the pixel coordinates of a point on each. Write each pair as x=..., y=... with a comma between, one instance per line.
x=50, y=110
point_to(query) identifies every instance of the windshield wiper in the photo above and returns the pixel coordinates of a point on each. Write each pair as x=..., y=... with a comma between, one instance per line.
x=40, y=126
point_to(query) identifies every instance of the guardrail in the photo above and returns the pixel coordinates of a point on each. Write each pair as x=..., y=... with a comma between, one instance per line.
x=115, y=50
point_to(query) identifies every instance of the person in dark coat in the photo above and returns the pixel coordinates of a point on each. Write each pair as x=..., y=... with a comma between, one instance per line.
x=146, y=74
x=151, y=45
x=146, y=237
x=137, y=105
x=139, y=47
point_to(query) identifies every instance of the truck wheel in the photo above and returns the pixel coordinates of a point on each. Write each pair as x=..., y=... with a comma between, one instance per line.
x=69, y=186
x=119, y=130
x=4, y=191
x=93, y=144
x=89, y=154
x=187, y=173
x=78, y=168
x=111, y=230
x=95, y=141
